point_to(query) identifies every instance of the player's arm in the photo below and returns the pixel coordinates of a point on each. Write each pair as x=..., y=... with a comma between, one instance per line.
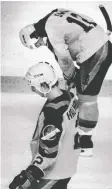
x=56, y=35
x=47, y=153
x=49, y=139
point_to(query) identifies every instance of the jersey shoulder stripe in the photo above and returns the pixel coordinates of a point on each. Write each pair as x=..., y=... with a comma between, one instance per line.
x=58, y=105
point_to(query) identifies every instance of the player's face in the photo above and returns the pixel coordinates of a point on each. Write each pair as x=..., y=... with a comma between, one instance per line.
x=40, y=42
x=37, y=91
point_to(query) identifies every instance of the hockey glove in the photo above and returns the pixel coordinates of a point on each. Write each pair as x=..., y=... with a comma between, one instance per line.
x=71, y=83
x=24, y=180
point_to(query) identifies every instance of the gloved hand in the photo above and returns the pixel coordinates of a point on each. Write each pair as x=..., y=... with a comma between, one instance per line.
x=18, y=180
x=26, y=178
x=71, y=82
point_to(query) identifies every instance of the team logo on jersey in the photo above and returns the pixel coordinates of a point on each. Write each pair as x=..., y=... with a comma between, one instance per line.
x=49, y=132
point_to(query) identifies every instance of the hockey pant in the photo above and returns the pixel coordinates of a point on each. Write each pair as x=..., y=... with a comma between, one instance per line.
x=88, y=110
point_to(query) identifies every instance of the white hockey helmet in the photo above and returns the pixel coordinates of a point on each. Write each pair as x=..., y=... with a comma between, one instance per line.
x=42, y=77
x=25, y=36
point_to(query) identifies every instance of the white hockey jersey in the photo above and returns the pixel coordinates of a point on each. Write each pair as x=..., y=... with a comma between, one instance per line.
x=55, y=145
x=73, y=37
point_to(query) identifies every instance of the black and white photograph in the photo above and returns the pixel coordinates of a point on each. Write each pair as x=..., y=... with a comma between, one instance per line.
x=56, y=94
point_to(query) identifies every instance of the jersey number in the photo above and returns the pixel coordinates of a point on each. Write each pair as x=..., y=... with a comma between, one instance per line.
x=38, y=160
x=77, y=19
x=60, y=13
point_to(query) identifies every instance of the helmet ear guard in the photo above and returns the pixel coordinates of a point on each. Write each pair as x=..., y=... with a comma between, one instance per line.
x=45, y=88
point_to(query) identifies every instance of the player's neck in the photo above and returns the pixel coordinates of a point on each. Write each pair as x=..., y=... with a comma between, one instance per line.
x=55, y=92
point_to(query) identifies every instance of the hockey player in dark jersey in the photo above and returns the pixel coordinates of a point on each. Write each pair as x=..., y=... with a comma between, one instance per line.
x=55, y=143
x=84, y=53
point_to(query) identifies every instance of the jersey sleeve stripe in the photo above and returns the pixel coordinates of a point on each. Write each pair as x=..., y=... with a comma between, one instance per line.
x=47, y=155
x=49, y=150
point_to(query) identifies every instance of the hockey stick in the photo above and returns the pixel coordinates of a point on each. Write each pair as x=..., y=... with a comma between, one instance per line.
x=107, y=19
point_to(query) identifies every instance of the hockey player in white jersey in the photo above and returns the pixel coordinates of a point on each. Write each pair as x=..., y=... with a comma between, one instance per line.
x=84, y=53
x=55, y=143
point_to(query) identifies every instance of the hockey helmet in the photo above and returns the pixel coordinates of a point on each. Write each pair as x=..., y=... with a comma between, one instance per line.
x=28, y=36
x=42, y=77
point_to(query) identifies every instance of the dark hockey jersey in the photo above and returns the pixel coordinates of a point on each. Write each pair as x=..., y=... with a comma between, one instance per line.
x=55, y=148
